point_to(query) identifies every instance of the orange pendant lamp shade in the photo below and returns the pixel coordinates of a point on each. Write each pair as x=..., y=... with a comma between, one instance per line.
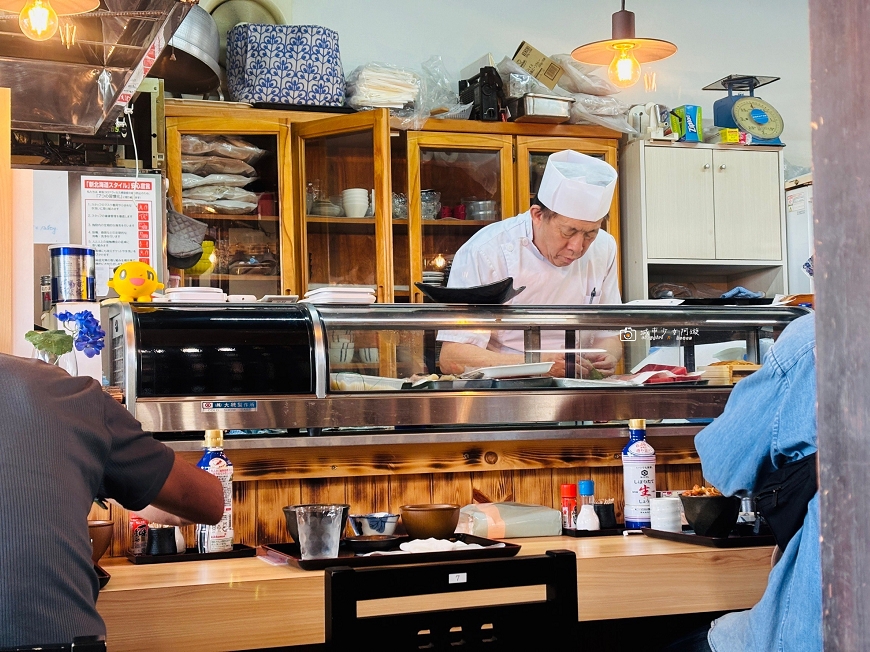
x=38, y=18
x=624, y=53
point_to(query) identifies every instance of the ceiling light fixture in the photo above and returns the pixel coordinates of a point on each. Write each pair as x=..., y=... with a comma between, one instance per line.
x=38, y=18
x=624, y=52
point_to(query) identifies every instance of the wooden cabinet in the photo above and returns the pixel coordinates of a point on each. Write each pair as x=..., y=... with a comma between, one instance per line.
x=702, y=213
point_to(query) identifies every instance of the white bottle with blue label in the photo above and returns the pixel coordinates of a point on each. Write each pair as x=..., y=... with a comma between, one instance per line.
x=217, y=538
x=639, y=476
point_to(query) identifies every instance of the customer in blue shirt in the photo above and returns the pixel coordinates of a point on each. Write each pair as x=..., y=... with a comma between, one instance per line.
x=770, y=420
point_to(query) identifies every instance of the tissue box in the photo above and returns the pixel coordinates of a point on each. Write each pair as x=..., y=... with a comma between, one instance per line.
x=286, y=64
x=686, y=121
x=509, y=520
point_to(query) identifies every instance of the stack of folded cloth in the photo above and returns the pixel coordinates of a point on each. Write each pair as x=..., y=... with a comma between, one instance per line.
x=340, y=294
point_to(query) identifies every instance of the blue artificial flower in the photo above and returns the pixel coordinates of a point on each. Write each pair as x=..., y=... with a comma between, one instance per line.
x=88, y=336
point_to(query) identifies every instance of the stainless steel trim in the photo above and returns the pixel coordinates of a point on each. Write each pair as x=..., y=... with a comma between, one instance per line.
x=131, y=374
x=321, y=372
x=532, y=344
x=423, y=408
x=435, y=316
x=391, y=437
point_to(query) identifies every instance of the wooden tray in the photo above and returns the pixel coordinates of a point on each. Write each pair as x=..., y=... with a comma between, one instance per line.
x=290, y=552
x=609, y=532
x=102, y=575
x=734, y=541
x=239, y=550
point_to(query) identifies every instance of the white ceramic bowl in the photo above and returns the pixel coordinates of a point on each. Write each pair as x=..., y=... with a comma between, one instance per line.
x=356, y=208
x=340, y=354
x=376, y=523
x=369, y=354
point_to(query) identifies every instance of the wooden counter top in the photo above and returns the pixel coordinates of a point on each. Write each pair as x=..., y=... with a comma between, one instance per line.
x=248, y=603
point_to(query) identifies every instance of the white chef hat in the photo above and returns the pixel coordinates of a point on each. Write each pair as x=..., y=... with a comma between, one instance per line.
x=577, y=186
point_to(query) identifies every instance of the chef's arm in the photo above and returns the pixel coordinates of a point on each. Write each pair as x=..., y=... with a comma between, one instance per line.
x=605, y=363
x=457, y=356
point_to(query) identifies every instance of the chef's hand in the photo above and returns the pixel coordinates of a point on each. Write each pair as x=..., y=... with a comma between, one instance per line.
x=558, y=368
x=604, y=363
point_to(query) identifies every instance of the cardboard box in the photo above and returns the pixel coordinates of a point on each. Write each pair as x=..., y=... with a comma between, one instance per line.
x=686, y=121
x=538, y=65
x=473, y=69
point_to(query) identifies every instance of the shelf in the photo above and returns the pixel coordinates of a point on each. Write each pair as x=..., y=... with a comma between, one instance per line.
x=449, y=223
x=222, y=216
x=233, y=277
x=322, y=219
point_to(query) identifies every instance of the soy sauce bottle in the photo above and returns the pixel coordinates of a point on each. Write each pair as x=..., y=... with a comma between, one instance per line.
x=217, y=538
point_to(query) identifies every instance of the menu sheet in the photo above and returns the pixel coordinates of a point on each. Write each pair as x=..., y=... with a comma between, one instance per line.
x=118, y=215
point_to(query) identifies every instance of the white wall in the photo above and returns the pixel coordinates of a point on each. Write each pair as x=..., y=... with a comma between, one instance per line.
x=714, y=38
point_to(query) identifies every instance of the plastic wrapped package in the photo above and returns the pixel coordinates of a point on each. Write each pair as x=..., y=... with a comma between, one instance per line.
x=579, y=77
x=213, y=193
x=226, y=146
x=581, y=113
x=602, y=104
x=220, y=206
x=519, y=85
x=508, y=67
x=509, y=520
x=205, y=165
x=381, y=85
x=438, y=91
x=193, y=180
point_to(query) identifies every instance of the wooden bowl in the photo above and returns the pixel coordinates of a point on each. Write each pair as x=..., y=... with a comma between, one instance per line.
x=101, y=537
x=711, y=516
x=430, y=521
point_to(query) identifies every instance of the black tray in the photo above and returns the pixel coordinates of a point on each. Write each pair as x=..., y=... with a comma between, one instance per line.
x=290, y=552
x=304, y=107
x=734, y=541
x=239, y=550
x=609, y=532
x=488, y=295
x=102, y=575
x=486, y=383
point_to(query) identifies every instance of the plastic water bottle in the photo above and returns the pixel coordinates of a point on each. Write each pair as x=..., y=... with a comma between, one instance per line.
x=217, y=538
x=639, y=475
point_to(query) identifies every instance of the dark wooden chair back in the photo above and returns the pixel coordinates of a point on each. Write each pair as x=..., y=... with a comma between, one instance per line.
x=516, y=626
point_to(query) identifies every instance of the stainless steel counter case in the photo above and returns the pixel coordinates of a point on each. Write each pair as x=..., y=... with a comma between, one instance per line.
x=188, y=367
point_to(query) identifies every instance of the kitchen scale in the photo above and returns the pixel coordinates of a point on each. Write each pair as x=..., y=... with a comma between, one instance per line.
x=747, y=113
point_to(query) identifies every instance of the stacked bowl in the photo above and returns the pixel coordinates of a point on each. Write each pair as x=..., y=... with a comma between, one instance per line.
x=355, y=202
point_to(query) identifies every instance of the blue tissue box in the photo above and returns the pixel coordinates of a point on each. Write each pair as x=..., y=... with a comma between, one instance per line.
x=288, y=64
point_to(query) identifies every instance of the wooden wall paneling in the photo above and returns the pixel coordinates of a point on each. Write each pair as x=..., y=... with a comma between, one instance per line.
x=678, y=476
x=272, y=497
x=324, y=490
x=498, y=486
x=367, y=494
x=245, y=513
x=455, y=488
x=5, y=221
x=410, y=489
x=535, y=487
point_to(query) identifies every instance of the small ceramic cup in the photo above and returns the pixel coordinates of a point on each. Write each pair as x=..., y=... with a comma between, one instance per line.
x=371, y=524
x=665, y=514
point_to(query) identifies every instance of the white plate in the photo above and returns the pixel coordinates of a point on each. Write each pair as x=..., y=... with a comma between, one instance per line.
x=359, y=289
x=353, y=300
x=191, y=289
x=280, y=298
x=516, y=370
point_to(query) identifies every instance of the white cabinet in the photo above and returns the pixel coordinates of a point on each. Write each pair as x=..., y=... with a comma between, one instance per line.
x=702, y=214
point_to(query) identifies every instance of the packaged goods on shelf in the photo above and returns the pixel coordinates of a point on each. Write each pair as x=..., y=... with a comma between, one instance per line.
x=214, y=193
x=221, y=206
x=205, y=165
x=226, y=146
x=189, y=181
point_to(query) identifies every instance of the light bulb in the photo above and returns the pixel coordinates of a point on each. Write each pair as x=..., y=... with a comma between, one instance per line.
x=38, y=20
x=624, y=70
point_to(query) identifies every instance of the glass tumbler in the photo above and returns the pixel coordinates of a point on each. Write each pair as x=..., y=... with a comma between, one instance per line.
x=319, y=530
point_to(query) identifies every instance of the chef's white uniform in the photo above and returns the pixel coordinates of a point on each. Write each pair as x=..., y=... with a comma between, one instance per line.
x=506, y=249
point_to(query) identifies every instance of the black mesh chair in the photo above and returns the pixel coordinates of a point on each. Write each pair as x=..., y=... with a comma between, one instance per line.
x=516, y=626
x=79, y=644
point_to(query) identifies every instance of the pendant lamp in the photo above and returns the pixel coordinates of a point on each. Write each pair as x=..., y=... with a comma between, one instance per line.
x=624, y=53
x=38, y=18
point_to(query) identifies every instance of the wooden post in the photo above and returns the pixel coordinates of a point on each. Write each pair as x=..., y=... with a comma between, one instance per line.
x=5, y=221
x=840, y=67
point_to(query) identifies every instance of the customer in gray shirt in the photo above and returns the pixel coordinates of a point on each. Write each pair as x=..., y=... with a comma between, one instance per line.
x=64, y=442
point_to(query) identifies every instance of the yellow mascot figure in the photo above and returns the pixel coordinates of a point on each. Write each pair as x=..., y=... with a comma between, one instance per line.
x=135, y=281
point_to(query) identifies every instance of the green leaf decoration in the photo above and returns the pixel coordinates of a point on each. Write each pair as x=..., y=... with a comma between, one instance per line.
x=55, y=342
x=594, y=374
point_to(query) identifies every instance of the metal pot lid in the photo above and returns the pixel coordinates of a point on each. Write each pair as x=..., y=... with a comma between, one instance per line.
x=189, y=62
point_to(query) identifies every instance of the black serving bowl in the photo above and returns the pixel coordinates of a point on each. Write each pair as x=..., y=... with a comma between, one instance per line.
x=711, y=516
x=492, y=294
x=293, y=527
x=372, y=542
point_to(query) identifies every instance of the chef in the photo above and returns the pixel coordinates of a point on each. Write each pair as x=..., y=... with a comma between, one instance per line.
x=558, y=251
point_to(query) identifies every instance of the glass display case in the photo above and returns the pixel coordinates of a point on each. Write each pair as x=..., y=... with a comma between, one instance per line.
x=673, y=358
x=230, y=176
x=343, y=194
x=457, y=184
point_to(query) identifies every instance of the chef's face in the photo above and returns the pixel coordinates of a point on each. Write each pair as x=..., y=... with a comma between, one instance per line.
x=560, y=239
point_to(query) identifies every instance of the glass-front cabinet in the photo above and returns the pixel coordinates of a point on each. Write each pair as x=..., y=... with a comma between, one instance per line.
x=343, y=198
x=231, y=179
x=532, y=155
x=457, y=184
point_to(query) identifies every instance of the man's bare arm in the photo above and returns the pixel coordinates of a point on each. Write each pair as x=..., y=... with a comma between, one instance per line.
x=189, y=495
